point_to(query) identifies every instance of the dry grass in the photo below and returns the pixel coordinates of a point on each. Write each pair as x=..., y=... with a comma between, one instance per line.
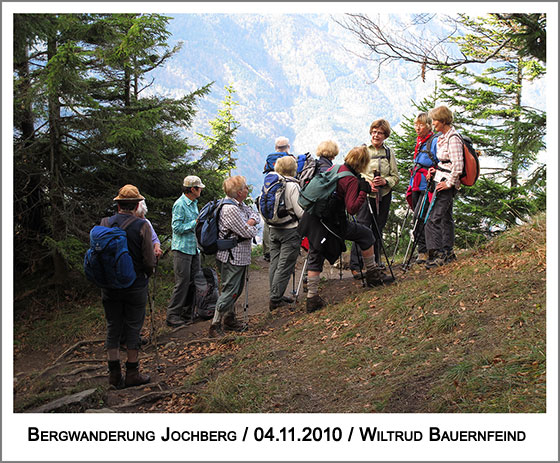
x=468, y=337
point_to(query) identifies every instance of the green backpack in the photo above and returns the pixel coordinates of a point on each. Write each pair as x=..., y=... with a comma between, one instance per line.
x=314, y=198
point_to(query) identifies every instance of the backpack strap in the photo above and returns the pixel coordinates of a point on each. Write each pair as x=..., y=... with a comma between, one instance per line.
x=230, y=233
x=448, y=161
x=387, y=152
x=428, y=145
x=113, y=223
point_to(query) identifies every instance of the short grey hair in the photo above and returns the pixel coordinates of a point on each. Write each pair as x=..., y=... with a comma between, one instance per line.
x=281, y=143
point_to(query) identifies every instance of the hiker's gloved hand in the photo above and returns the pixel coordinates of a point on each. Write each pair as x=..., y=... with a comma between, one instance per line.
x=364, y=185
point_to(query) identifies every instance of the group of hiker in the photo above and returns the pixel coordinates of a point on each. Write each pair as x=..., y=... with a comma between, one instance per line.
x=303, y=200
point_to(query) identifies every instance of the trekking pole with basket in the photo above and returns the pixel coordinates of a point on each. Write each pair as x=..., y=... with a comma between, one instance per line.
x=374, y=221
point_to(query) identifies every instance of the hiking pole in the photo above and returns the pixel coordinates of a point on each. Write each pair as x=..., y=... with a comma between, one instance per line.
x=425, y=220
x=153, y=335
x=303, y=269
x=340, y=268
x=246, y=306
x=400, y=234
x=380, y=239
x=418, y=218
x=360, y=260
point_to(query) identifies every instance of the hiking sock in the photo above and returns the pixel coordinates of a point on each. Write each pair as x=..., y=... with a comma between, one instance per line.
x=370, y=263
x=313, y=285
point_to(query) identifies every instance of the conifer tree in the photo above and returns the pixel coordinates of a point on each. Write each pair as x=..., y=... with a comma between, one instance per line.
x=217, y=161
x=85, y=124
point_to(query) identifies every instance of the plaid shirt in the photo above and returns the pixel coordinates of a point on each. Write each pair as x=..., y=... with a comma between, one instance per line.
x=233, y=220
x=450, y=148
x=183, y=221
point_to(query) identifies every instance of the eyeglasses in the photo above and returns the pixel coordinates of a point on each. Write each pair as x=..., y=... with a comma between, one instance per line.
x=377, y=132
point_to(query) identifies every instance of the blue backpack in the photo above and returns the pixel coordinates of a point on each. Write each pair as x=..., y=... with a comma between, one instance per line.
x=271, y=203
x=206, y=229
x=108, y=262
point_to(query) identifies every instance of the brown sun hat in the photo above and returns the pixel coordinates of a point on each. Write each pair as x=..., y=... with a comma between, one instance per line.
x=129, y=193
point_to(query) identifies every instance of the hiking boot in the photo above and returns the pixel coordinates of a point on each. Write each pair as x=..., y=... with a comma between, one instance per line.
x=232, y=324
x=422, y=258
x=356, y=274
x=287, y=299
x=133, y=376
x=216, y=331
x=374, y=277
x=115, y=374
x=436, y=260
x=174, y=322
x=314, y=303
x=386, y=279
x=450, y=257
x=273, y=305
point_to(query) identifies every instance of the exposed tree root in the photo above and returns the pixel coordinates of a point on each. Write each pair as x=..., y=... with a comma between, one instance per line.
x=149, y=397
x=79, y=344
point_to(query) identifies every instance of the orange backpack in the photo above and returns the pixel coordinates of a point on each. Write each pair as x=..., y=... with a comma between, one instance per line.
x=471, y=166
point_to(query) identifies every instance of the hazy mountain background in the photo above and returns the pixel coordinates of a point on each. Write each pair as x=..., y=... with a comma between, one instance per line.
x=293, y=76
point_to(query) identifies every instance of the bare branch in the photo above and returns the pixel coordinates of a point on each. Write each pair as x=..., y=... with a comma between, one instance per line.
x=388, y=42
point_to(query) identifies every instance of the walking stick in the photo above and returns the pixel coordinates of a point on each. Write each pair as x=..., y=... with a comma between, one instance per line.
x=400, y=234
x=380, y=239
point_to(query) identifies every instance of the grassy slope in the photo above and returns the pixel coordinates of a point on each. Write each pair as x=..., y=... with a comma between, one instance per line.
x=468, y=337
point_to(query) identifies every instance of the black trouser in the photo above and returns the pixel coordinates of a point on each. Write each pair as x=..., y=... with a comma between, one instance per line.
x=440, y=227
x=364, y=217
x=419, y=215
x=125, y=310
x=358, y=234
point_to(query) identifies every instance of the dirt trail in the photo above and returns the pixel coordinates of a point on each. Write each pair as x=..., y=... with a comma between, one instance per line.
x=179, y=351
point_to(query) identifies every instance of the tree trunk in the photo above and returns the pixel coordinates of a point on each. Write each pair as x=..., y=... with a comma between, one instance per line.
x=30, y=211
x=56, y=186
x=517, y=148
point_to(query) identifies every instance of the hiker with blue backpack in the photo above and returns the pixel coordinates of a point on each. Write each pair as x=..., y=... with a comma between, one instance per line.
x=124, y=299
x=281, y=148
x=383, y=172
x=424, y=157
x=237, y=222
x=285, y=239
x=186, y=255
x=440, y=227
x=326, y=200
